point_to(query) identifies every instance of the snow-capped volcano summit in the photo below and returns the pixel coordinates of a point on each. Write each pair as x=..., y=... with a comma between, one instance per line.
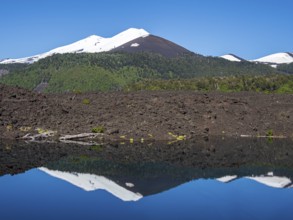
x=96, y=44
x=91, y=44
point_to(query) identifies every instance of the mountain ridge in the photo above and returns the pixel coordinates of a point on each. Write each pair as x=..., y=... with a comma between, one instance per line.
x=139, y=40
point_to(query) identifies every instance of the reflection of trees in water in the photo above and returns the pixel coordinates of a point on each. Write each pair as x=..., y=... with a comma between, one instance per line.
x=157, y=158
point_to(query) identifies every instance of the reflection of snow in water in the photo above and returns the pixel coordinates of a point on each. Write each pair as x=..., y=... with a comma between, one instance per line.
x=226, y=179
x=129, y=184
x=268, y=180
x=90, y=182
x=273, y=181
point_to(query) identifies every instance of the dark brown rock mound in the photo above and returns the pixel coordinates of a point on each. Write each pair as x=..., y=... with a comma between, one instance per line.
x=153, y=44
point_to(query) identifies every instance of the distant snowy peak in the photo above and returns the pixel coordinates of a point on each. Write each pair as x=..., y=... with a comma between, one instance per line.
x=273, y=60
x=91, y=44
x=277, y=58
x=232, y=57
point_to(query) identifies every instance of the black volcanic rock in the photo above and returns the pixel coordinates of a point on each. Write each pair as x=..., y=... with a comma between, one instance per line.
x=153, y=44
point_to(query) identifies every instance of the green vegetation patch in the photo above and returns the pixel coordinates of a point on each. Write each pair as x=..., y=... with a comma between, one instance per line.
x=86, y=101
x=98, y=129
x=267, y=84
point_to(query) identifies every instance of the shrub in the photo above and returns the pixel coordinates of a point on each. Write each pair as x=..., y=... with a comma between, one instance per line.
x=270, y=133
x=98, y=129
x=77, y=91
x=86, y=101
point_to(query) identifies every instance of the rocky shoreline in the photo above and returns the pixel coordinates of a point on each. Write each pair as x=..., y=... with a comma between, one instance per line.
x=143, y=116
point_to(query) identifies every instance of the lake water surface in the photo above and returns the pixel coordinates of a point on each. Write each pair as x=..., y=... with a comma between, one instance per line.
x=211, y=180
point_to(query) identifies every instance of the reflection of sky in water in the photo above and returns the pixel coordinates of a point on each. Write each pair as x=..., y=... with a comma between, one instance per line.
x=36, y=195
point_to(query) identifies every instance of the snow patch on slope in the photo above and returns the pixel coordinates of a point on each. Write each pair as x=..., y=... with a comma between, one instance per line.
x=91, y=182
x=231, y=57
x=277, y=58
x=91, y=44
x=134, y=45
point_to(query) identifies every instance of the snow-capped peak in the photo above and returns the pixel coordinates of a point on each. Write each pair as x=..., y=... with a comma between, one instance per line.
x=277, y=58
x=91, y=44
x=131, y=33
x=122, y=38
x=231, y=57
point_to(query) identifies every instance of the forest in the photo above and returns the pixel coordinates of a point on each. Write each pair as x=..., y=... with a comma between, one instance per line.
x=146, y=71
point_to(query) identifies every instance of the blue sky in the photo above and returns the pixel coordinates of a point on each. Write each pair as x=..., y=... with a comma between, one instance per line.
x=247, y=28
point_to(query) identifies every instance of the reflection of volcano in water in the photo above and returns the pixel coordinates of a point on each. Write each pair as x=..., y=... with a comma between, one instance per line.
x=131, y=172
x=134, y=184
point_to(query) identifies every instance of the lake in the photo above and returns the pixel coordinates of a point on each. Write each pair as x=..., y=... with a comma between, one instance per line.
x=214, y=179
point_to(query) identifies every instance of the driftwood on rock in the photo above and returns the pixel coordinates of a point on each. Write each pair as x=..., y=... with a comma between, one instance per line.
x=35, y=137
x=44, y=136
